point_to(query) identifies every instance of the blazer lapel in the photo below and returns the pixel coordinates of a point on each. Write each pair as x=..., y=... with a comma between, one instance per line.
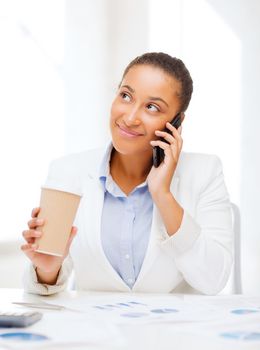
x=158, y=234
x=96, y=192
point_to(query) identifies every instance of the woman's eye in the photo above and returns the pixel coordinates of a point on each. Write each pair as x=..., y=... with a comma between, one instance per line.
x=153, y=108
x=125, y=96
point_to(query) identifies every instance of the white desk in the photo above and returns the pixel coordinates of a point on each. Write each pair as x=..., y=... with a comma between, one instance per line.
x=200, y=328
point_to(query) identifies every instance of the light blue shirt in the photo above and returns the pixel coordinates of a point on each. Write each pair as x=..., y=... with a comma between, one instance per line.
x=125, y=224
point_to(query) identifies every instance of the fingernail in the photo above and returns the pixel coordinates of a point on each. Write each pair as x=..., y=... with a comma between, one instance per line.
x=34, y=246
x=39, y=221
x=38, y=233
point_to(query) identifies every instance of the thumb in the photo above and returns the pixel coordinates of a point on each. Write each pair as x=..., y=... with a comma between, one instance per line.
x=73, y=233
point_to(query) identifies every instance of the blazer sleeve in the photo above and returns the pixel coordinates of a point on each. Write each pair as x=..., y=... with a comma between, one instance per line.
x=31, y=284
x=202, y=247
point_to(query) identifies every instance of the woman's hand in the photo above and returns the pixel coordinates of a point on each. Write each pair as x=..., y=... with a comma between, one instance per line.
x=159, y=179
x=46, y=265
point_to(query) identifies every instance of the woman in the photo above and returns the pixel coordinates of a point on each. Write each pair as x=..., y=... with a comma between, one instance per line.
x=141, y=228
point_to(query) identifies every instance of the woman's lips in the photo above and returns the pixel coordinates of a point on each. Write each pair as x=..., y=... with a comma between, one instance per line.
x=128, y=132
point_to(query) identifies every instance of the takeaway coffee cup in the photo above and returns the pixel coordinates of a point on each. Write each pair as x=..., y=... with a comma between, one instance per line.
x=58, y=209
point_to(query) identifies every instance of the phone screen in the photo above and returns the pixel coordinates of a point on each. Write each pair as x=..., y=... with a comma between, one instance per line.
x=158, y=153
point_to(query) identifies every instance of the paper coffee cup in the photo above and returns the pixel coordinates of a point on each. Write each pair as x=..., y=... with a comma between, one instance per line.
x=58, y=209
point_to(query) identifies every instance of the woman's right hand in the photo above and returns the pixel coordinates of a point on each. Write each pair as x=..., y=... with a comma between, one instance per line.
x=47, y=266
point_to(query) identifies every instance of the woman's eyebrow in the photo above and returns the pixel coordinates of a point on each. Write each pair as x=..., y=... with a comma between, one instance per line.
x=158, y=99
x=128, y=87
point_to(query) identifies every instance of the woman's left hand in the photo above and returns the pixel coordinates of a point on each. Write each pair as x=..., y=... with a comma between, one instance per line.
x=159, y=179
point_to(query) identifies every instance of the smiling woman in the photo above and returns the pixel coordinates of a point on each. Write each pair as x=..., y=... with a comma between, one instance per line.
x=140, y=227
x=144, y=104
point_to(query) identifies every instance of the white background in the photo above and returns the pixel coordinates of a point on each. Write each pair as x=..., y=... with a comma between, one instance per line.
x=60, y=64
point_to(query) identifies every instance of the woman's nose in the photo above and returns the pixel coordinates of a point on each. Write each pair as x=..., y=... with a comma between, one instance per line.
x=132, y=118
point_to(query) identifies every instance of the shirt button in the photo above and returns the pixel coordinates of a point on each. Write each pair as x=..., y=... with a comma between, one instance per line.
x=127, y=256
x=130, y=280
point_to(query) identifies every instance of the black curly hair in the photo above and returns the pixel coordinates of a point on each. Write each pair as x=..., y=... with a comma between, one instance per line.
x=172, y=66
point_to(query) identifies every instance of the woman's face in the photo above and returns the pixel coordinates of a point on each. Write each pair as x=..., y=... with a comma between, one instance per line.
x=147, y=98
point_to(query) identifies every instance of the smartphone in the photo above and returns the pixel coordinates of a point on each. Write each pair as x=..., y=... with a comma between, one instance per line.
x=158, y=153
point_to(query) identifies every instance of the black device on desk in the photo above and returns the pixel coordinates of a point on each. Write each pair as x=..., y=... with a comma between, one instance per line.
x=158, y=153
x=19, y=319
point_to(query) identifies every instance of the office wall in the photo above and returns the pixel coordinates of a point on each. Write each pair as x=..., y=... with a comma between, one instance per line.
x=12, y=265
x=243, y=17
x=101, y=37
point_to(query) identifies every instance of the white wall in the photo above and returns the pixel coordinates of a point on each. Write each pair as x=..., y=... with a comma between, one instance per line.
x=12, y=264
x=243, y=17
x=101, y=37
x=85, y=66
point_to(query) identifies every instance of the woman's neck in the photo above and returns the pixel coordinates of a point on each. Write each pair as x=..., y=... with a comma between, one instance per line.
x=131, y=168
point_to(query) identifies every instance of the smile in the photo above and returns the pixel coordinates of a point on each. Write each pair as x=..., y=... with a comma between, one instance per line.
x=127, y=132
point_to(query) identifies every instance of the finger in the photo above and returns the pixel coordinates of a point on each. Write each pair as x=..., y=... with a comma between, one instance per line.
x=176, y=134
x=73, y=233
x=29, y=250
x=29, y=234
x=26, y=247
x=174, y=131
x=35, y=222
x=165, y=146
x=74, y=230
x=167, y=137
x=29, y=247
x=35, y=212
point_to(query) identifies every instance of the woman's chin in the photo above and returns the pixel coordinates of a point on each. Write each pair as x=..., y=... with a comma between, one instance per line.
x=131, y=149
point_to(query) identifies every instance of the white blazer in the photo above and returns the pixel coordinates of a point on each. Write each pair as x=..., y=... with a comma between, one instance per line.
x=197, y=258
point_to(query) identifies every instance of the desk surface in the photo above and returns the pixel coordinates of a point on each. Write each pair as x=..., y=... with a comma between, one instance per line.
x=141, y=321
